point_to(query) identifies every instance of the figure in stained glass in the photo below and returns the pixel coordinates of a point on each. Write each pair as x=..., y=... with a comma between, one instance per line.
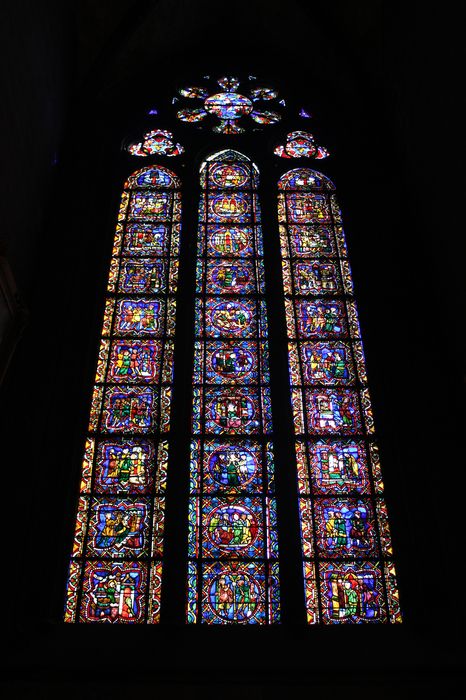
x=333, y=411
x=345, y=528
x=316, y=277
x=230, y=240
x=231, y=317
x=327, y=363
x=150, y=205
x=231, y=410
x=307, y=208
x=232, y=528
x=352, y=593
x=146, y=239
x=138, y=316
x=228, y=206
x=311, y=241
x=320, y=318
x=118, y=527
x=139, y=276
x=339, y=467
x=113, y=592
x=235, y=594
x=232, y=361
x=124, y=466
x=135, y=360
x=233, y=465
x=230, y=278
x=129, y=409
x=228, y=175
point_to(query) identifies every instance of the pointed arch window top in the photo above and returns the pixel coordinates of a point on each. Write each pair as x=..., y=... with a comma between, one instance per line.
x=303, y=179
x=229, y=105
x=154, y=176
x=229, y=169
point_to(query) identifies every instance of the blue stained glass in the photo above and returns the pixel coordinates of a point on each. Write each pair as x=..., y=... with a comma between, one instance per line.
x=228, y=361
x=147, y=239
x=308, y=208
x=150, y=205
x=232, y=466
x=120, y=513
x=345, y=528
x=230, y=241
x=230, y=206
x=316, y=277
x=332, y=411
x=232, y=528
x=352, y=592
x=138, y=316
x=234, y=593
x=113, y=592
x=339, y=467
x=129, y=409
x=229, y=277
x=143, y=276
x=320, y=318
x=226, y=175
x=312, y=241
x=235, y=410
x=135, y=360
x=327, y=363
x=126, y=465
x=119, y=527
x=231, y=318
x=342, y=514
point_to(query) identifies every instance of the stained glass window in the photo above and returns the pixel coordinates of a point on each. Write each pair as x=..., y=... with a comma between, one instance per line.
x=116, y=564
x=230, y=502
x=233, y=569
x=348, y=568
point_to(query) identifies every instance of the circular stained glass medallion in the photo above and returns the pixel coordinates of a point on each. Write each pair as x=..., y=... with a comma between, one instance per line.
x=234, y=595
x=232, y=362
x=232, y=466
x=228, y=105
